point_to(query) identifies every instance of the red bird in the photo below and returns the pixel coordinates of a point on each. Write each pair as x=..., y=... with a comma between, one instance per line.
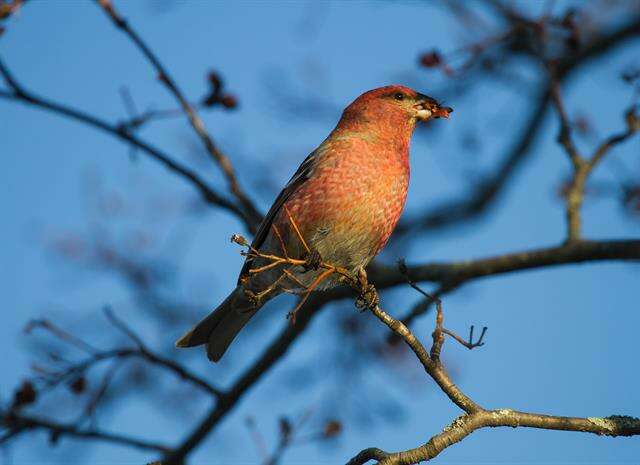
x=345, y=200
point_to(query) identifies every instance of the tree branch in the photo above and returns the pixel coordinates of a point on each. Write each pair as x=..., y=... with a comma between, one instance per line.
x=194, y=119
x=459, y=272
x=20, y=94
x=144, y=352
x=483, y=194
x=582, y=168
x=18, y=423
x=475, y=416
x=386, y=277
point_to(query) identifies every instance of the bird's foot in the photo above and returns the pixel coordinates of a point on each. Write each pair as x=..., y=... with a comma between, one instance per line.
x=368, y=297
x=255, y=298
x=313, y=260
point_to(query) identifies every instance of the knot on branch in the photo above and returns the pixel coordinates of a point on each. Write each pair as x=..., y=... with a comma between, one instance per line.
x=617, y=425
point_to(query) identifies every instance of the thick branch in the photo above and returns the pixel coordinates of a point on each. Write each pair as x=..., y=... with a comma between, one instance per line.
x=458, y=272
x=270, y=356
x=614, y=425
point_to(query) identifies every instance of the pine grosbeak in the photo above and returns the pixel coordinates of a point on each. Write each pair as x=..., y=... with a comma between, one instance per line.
x=345, y=199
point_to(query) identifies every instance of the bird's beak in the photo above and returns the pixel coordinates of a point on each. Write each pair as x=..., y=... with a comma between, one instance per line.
x=427, y=108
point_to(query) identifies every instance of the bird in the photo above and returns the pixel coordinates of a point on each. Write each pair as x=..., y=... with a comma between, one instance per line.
x=340, y=206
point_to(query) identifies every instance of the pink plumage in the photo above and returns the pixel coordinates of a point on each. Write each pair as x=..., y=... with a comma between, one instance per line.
x=346, y=199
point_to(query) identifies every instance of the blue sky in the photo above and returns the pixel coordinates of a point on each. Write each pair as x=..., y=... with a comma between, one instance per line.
x=560, y=341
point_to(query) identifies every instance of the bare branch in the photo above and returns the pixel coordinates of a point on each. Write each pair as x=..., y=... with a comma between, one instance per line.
x=194, y=119
x=459, y=272
x=386, y=277
x=17, y=423
x=469, y=344
x=482, y=195
x=141, y=351
x=475, y=416
x=614, y=425
x=146, y=353
x=565, y=134
x=582, y=168
x=20, y=94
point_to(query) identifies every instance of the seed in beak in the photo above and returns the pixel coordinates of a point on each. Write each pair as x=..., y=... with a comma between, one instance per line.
x=442, y=112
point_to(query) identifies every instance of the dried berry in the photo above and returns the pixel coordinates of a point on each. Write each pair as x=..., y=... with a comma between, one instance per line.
x=25, y=395
x=431, y=59
x=78, y=385
x=332, y=428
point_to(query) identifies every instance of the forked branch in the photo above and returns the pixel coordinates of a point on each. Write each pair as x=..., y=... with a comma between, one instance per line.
x=475, y=416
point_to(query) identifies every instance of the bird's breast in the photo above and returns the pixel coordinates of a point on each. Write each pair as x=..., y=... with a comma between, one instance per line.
x=349, y=208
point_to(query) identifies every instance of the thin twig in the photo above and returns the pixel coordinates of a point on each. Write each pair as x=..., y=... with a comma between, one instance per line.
x=194, y=119
x=18, y=93
x=154, y=358
x=18, y=423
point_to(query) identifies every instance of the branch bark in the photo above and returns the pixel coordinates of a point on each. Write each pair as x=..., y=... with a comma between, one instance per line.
x=615, y=425
x=475, y=416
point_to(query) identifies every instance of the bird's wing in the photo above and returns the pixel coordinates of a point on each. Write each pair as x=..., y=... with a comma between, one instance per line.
x=298, y=179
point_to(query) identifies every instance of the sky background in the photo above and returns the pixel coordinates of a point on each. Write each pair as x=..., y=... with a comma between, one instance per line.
x=561, y=340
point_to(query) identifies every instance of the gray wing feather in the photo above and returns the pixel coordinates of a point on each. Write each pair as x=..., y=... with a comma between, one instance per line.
x=298, y=179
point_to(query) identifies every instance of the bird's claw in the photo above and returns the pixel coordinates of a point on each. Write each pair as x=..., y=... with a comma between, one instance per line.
x=368, y=298
x=313, y=260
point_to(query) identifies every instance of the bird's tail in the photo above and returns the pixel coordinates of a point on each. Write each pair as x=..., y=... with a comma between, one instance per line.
x=220, y=327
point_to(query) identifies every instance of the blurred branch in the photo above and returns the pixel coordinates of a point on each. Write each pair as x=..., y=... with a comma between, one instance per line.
x=221, y=159
x=384, y=277
x=144, y=352
x=485, y=192
x=459, y=272
x=18, y=423
x=96, y=356
x=10, y=7
x=272, y=354
x=18, y=93
x=583, y=167
x=292, y=433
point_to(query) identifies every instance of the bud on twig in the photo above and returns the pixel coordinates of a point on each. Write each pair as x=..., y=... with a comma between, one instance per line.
x=238, y=239
x=431, y=59
x=332, y=428
x=78, y=385
x=285, y=427
x=25, y=395
x=633, y=119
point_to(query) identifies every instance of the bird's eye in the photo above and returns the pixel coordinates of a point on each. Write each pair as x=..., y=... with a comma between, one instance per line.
x=399, y=96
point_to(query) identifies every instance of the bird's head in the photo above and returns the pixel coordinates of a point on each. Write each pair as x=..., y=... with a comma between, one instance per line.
x=398, y=103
